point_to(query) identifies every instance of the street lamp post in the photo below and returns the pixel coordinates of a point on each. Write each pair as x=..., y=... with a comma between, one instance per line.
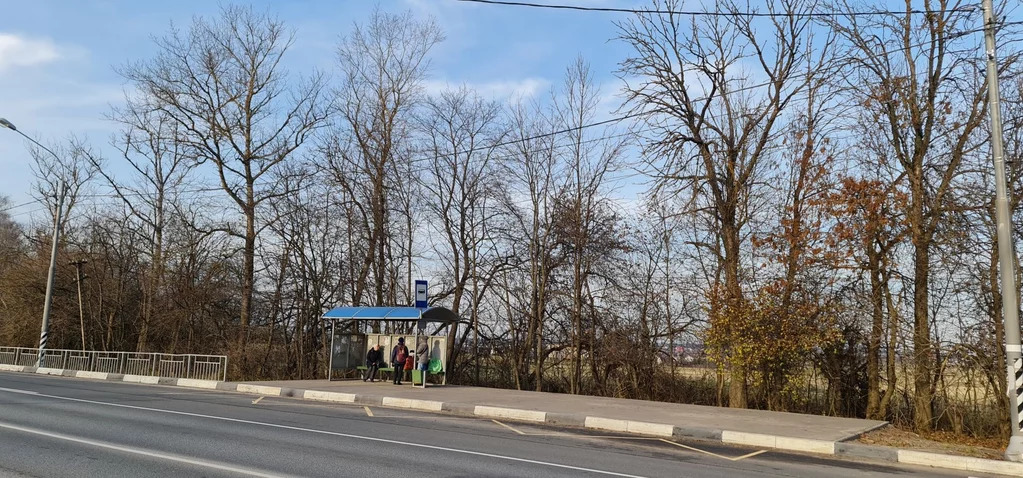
x=1006, y=252
x=45, y=329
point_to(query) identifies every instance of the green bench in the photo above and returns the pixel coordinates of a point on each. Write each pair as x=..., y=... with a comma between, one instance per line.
x=363, y=369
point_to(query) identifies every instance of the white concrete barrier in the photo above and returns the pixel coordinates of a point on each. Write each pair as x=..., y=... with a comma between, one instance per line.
x=258, y=389
x=609, y=424
x=751, y=439
x=805, y=444
x=140, y=379
x=193, y=383
x=412, y=403
x=510, y=413
x=95, y=375
x=656, y=429
x=329, y=396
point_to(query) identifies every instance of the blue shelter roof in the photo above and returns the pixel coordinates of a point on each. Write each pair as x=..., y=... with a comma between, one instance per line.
x=432, y=314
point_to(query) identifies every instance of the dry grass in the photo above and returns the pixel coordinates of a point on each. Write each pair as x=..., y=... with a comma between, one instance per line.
x=938, y=442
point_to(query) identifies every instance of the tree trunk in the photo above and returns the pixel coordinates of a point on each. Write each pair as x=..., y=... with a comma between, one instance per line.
x=874, y=410
x=893, y=337
x=922, y=368
x=248, y=278
x=733, y=301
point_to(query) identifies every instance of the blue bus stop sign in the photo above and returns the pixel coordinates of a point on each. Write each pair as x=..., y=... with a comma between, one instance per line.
x=421, y=294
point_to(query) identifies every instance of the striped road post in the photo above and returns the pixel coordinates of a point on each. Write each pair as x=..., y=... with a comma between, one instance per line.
x=1016, y=392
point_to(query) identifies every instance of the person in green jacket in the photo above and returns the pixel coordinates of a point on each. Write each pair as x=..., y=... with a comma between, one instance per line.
x=423, y=358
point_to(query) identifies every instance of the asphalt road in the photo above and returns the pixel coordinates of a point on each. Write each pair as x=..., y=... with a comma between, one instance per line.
x=56, y=427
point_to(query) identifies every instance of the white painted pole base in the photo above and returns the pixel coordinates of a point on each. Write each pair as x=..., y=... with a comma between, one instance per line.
x=1014, y=452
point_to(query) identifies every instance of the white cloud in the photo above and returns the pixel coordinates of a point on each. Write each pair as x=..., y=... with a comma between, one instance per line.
x=18, y=51
x=498, y=90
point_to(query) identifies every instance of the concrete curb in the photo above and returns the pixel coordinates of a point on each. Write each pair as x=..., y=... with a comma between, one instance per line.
x=803, y=445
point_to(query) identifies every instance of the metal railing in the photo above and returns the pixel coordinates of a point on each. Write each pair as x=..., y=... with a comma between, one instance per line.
x=203, y=367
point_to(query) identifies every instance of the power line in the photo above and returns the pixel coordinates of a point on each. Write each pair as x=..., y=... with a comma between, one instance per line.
x=143, y=193
x=114, y=195
x=551, y=6
x=29, y=212
x=16, y=206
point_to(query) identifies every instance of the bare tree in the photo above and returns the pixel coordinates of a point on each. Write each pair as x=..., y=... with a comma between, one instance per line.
x=585, y=223
x=224, y=88
x=461, y=129
x=305, y=260
x=13, y=251
x=383, y=64
x=73, y=164
x=150, y=143
x=533, y=170
x=928, y=99
x=694, y=82
x=11, y=241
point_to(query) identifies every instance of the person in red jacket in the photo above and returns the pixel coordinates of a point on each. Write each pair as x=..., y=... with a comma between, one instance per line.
x=399, y=354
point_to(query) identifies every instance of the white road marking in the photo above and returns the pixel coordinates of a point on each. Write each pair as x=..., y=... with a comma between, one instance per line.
x=419, y=417
x=257, y=400
x=338, y=434
x=520, y=432
x=368, y=411
x=26, y=392
x=687, y=447
x=138, y=451
x=529, y=434
x=573, y=435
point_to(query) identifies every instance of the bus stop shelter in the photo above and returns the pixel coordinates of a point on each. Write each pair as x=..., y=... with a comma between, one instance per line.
x=348, y=348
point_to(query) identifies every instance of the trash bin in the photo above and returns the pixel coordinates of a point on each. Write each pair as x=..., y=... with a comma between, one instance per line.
x=417, y=377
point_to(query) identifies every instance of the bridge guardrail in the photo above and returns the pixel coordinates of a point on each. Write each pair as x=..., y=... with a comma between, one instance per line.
x=203, y=367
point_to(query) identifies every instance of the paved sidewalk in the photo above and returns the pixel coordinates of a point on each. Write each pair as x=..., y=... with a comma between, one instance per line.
x=693, y=420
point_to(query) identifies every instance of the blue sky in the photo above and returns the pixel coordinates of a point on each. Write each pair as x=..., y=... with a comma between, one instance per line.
x=57, y=58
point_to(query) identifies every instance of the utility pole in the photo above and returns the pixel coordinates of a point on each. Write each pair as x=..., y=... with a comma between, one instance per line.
x=81, y=311
x=1006, y=252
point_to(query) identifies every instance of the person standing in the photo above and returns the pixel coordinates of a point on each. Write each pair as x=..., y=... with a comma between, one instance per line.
x=422, y=359
x=399, y=354
x=373, y=358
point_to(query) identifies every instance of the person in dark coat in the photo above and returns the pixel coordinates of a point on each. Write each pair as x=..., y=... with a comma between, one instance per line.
x=399, y=354
x=373, y=358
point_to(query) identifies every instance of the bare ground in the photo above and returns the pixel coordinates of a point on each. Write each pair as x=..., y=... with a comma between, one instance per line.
x=938, y=442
